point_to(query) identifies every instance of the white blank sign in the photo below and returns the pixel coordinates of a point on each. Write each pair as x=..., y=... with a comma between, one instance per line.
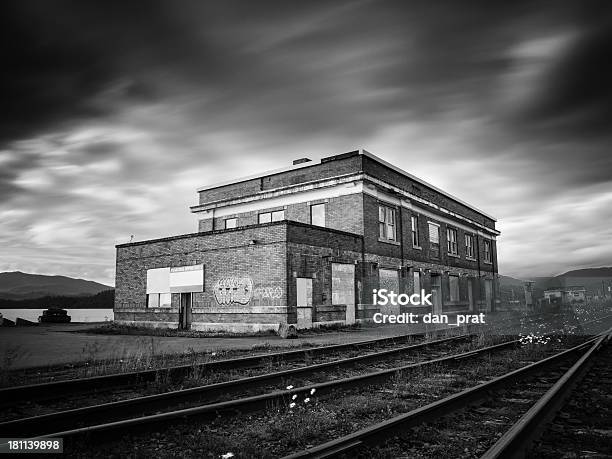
x=158, y=280
x=185, y=279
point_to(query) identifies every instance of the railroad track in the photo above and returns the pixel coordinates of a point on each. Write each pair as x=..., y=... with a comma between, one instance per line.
x=57, y=389
x=513, y=443
x=35, y=426
x=10, y=396
x=216, y=395
x=103, y=418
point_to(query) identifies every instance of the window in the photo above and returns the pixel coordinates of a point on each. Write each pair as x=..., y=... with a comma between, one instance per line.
x=434, y=240
x=386, y=223
x=414, y=220
x=451, y=241
x=487, y=251
x=469, y=246
x=417, y=281
x=231, y=223
x=275, y=216
x=317, y=214
x=454, y=287
x=159, y=300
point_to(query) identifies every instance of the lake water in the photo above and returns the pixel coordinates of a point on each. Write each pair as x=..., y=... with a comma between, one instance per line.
x=78, y=315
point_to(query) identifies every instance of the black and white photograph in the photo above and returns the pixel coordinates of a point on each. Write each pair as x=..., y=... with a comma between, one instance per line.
x=306, y=229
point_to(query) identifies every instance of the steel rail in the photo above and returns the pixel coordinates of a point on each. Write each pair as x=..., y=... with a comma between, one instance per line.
x=56, y=389
x=36, y=425
x=252, y=403
x=515, y=442
x=377, y=433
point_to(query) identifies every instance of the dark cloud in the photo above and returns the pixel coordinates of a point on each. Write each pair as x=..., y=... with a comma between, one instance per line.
x=113, y=112
x=576, y=92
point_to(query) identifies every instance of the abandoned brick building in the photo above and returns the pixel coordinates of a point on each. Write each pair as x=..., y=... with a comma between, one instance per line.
x=307, y=245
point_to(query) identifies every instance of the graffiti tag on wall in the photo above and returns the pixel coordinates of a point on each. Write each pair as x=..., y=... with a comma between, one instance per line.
x=230, y=290
x=268, y=292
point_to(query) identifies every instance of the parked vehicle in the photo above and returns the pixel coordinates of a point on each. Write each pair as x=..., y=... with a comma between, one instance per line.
x=54, y=315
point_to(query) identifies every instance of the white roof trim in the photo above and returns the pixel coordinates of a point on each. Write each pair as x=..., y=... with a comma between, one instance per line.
x=423, y=182
x=361, y=152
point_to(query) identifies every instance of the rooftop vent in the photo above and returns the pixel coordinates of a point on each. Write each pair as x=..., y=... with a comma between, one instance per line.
x=301, y=160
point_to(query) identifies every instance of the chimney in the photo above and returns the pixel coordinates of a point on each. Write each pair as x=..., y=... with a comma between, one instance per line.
x=301, y=160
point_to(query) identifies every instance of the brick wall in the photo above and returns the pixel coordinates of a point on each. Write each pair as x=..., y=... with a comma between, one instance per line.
x=382, y=172
x=310, y=252
x=332, y=168
x=224, y=254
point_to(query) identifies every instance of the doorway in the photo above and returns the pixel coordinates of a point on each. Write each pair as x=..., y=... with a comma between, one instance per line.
x=489, y=295
x=343, y=289
x=304, y=302
x=470, y=289
x=436, y=293
x=185, y=312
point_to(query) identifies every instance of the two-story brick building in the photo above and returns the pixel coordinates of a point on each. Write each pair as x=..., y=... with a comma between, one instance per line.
x=307, y=245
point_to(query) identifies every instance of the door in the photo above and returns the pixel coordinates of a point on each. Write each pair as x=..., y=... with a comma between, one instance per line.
x=470, y=289
x=343, y=288
x=388, y=279
x=488, y=294
x=185, y=311
x=436, y=293
x=304, y=302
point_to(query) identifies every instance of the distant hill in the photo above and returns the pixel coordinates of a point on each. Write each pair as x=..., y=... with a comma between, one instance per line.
x=21, y=286
x=510, y=281
x=589, y=272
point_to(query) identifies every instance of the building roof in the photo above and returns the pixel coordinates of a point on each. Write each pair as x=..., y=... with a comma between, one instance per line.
x=329, y=158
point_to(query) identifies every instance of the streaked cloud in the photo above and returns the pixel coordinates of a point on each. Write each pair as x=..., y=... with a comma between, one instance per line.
x=113, y=116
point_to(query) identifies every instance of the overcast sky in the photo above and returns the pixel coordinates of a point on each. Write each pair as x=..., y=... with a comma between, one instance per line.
x=113, y=113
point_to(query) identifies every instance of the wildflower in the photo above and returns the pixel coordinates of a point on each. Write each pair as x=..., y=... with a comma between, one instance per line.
x=306, y=400
x=227, y=455
x=294, y=397
x=291, y=405
x=312, y=391
x=213, y=354
x=289, y=387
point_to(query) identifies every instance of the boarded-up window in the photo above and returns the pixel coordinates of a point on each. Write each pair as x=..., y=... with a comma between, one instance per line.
x=389, y=279
x=343, y=283
x=231, y=223
x=453, y=282
x=434, y=233
x=417, y=281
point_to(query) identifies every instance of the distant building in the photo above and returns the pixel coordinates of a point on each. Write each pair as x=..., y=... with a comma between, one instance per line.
x=306, y=246
x=566, y=295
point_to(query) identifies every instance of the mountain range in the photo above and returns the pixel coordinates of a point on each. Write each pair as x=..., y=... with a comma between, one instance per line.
x=17, y=285
x=22, y=286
